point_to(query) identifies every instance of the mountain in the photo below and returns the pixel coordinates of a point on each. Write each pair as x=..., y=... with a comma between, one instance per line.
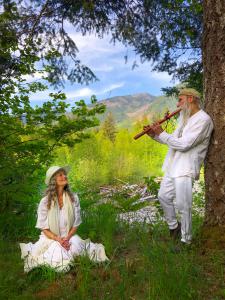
x=132, y=108
x=123, y=107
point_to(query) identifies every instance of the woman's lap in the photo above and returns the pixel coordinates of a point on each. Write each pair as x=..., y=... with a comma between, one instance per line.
x=56, y=252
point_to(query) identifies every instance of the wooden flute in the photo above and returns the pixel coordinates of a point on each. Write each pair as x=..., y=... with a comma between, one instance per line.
x=167, y=117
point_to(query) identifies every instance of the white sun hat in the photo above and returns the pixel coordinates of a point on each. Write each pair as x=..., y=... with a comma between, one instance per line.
x=52, y=170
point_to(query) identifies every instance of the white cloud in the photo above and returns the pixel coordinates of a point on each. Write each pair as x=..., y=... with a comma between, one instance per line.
x=103, y=68
x=40, y=96
x=112, y=87
x=87, y=92
x=164, y=76
x=98, y=54
x=35, y=76
x=91, y=44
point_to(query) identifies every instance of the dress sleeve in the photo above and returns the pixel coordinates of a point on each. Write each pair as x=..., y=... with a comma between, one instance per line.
x=76, y=205
x=42, y=215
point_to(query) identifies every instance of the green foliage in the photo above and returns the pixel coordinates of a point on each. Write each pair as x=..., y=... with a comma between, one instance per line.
x=123, y=202
x=168, y=33
x=27, y=147
x=97, y=161
x=99, y=224
x=29, y=135
x=31, y=35
x=152, y=185
x=109, y=127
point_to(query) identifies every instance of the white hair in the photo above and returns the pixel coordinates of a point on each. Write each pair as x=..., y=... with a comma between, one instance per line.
x=185, y=113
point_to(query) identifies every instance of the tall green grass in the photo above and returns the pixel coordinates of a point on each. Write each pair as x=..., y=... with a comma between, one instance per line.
x=142, y=265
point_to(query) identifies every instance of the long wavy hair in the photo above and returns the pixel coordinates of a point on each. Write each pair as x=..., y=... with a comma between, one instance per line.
x=51, y=191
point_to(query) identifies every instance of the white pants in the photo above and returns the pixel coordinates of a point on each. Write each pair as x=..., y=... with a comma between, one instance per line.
x=181, y=189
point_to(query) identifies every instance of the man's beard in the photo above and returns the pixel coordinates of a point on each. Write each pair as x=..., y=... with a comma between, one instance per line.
x=185, y=114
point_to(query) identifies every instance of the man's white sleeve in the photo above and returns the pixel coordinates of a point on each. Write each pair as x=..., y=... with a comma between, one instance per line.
x=197, y=133
x=157, y=139
x=161, y=141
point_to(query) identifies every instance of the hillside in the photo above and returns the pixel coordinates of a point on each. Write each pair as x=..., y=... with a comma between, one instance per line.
x=132, y=108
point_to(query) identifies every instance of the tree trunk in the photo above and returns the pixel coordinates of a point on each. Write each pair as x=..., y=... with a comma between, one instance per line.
x=214, y=91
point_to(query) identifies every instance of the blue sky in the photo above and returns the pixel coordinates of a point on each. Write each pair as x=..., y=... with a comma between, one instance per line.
x=116, y=77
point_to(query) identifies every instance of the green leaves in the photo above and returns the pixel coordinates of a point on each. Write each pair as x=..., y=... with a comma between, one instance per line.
x=30, y=136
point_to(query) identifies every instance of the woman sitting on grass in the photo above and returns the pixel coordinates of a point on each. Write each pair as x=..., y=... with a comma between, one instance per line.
x=58, y=219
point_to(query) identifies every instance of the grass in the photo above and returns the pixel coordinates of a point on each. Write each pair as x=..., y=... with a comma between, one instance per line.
x=142, y=266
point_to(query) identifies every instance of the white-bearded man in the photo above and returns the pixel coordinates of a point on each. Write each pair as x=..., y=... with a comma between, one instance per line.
x=188, y=146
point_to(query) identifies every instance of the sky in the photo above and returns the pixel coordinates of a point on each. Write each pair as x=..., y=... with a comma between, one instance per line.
x=116, y=76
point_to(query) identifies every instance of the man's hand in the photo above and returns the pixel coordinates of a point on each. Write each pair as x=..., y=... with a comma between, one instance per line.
x=150, y=132
x=156, y=129
x=153, y=130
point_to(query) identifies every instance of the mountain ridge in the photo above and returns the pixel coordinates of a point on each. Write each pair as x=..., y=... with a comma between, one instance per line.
x=133, y=108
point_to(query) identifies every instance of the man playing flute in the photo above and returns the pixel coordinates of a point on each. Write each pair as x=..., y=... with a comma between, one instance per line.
x=188, y=145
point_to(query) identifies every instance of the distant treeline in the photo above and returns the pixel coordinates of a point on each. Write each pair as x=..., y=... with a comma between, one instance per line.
x=111, y=155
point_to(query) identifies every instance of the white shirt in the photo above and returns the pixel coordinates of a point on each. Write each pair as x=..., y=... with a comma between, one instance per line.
x=187, y=152
x=42, y=220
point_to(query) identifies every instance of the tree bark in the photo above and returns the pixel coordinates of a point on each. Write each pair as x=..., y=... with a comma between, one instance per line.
x=214, y=92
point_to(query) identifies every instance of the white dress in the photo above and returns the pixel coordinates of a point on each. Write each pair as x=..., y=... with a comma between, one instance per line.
x=49, y=252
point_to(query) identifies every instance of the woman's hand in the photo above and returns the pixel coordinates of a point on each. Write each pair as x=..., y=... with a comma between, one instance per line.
x=66, y=240
x=65, y=243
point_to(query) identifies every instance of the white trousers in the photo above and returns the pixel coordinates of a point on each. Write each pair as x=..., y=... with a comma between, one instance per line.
x=179, y=188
